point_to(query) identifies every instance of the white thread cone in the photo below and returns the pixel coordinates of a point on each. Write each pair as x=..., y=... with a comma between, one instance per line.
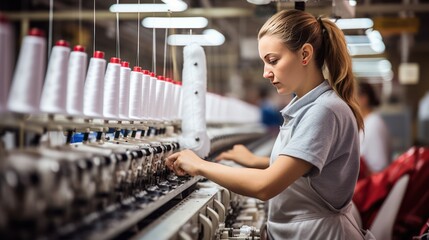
x=94, y=86
x=146, y=93
x=194, y=132
x=111, y=89
x=135, y=93
x=75, y=81
x=168, y=99
x=152, y=97
x=160, y=92
x=180, y=108
x=24, y=96
x=210, y=107
x=177, y=104
x=54, y=94
x=124, y=91
x=214, y=108
x=6, y=61
x=223, y=110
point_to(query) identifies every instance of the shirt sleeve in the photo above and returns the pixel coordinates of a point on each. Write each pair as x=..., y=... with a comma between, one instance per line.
x=313, y=137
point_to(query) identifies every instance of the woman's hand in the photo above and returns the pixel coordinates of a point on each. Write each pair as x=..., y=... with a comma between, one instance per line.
x=185, y=162
x=239, y=154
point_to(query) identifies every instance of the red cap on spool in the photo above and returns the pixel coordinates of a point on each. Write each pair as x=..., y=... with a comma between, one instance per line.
x=36, y=32
x=137, y=69
x=152, y=74
x=62, y=43
x=98, y=54
x=125, y=64
x=169, y=80
x=161, y=78
x=179, y=83
x=115, y=60
x=146, y=72
x=79, y=48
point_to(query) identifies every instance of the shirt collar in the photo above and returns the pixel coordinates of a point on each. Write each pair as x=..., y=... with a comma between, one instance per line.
x=297, y=103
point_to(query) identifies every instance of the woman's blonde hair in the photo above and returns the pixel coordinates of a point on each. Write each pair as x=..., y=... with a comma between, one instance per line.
x=296, y=28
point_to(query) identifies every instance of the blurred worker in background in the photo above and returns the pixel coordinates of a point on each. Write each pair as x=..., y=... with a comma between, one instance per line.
x=375, y=146
x=270, y=112
x=423, y=121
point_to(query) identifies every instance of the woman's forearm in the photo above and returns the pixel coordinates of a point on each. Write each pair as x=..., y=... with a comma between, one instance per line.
x=261, y=162
x=244, y=181
x=258, y=183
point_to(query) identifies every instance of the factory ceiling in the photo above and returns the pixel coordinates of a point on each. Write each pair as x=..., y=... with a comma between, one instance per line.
x=238, y=20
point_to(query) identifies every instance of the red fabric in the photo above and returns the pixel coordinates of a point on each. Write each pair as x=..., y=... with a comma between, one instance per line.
x=364, y=171
x=414, y=210
x=371, y=192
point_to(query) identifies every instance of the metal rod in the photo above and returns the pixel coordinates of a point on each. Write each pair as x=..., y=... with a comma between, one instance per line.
x=70, y=15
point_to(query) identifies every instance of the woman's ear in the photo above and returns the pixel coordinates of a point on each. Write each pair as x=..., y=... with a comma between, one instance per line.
x=307, y=52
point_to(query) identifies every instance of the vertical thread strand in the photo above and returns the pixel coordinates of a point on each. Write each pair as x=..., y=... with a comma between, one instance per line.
x=93, y=37
x=51, y=20
x=138, y=38
x=165, y=52
x=154, y=50
x=118, y=52
x=80, y=21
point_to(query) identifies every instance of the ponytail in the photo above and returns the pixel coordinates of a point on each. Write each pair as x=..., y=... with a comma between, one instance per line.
x=338, y=66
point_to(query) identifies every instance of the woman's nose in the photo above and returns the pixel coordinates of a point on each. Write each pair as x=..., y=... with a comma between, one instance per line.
x=267, y=74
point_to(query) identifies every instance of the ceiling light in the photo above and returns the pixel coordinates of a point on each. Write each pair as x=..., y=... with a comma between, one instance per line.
x=176, y=4
x=380, y=65
x=259, y=2
x=353, y=23
x=373, y=34
x=210, y=37
x=357, y=39
x=168, y=6
x=368, y=44
x=175, y=22
x=373, y=69
x=372, y=48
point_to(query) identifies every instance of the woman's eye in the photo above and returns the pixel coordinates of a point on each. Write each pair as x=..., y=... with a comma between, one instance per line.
x=273, y=61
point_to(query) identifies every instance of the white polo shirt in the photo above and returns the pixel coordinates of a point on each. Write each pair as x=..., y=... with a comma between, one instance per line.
x=324, y=133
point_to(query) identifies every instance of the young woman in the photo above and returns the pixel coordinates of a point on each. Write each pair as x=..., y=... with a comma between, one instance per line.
x=311, y=174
